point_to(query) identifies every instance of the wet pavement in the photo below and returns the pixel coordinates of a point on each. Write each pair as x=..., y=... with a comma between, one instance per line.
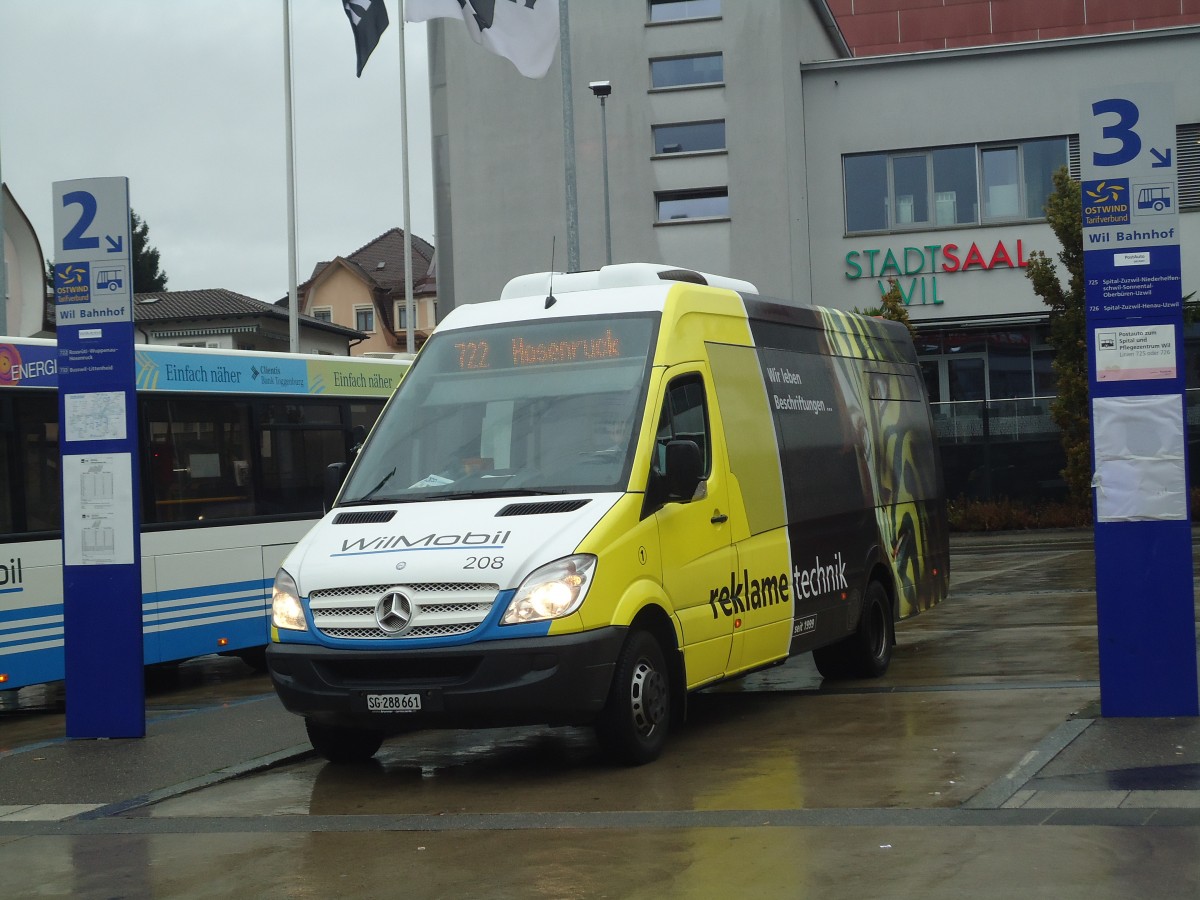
x=979, y=766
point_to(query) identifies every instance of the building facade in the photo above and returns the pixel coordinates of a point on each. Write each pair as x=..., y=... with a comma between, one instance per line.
x=744, y=140
x=22, y=277
x=877, y=27
x=365, y=291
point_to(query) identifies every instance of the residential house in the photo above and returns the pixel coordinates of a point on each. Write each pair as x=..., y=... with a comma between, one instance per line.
x=366, y=291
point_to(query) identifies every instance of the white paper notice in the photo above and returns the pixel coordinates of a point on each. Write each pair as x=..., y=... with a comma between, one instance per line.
x=95, y=417
x=1139, y=453
x=1135, y=353
x=98, y=509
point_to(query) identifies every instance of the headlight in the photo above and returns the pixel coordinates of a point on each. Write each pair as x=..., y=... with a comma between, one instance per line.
x=286, y=609
x=555, y=590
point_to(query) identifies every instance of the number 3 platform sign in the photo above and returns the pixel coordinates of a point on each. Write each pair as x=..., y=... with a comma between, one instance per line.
x=1134, y=298
x=97, y=437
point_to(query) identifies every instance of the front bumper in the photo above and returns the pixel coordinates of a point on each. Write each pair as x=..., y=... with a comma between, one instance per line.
x=552, y=680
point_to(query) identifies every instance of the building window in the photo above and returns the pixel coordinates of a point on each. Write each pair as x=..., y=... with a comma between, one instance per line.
x=402, y=315
x=1039, y=161
x=709, y=203
x=364, y=318
x=675, y=10
x=946, y=186
x=689, y=137
x=911, y=177
x=866, y=180
x=1001, y=183
x=955, y=196
x=687, y=71
x=323, y=314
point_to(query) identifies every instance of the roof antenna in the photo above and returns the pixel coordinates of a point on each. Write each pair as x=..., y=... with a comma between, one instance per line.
x=550, y=300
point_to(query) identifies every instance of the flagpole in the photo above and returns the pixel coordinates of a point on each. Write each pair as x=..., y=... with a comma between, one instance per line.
x=293, y=302
x=409, y=311
x=564, y=37
x=4, y=267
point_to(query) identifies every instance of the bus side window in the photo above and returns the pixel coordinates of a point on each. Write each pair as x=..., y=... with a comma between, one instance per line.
x=10, y=482
x=684, y=418
x=297, y=440
x=30, y=476
x=195, y=462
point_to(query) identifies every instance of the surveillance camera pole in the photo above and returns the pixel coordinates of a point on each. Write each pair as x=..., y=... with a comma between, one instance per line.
x=603, y=95
x=564, y=52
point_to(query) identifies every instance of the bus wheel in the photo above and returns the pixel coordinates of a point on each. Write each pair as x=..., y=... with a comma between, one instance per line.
x=254, y=657
x=340, y=744
x=632, y=728
x=868, y=652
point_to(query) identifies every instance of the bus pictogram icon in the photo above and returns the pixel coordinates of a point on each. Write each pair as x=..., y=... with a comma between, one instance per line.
x=1157, y=199
x=110, y=279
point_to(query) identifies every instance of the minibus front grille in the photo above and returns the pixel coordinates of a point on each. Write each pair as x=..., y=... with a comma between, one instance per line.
x=358, y=634
x=436, y=610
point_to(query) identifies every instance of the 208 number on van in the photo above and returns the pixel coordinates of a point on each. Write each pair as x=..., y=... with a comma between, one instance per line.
x=484, y=562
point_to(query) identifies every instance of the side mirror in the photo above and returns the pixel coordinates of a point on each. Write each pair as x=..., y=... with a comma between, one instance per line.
x=335, y=474
x=685, y=470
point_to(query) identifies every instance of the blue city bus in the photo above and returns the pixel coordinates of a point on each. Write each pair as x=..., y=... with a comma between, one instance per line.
x=233, y=449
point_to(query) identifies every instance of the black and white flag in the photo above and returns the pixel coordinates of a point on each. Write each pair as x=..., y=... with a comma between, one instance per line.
x=525, y=32
x=368, y=19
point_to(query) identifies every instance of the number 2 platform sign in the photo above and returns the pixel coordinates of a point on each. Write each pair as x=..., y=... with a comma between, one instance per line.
x=1134, y=300
x=97, y=412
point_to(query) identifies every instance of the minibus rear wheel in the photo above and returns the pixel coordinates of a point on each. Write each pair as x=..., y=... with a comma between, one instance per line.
x=867, y=652
x=632, y=728
x=342, y=744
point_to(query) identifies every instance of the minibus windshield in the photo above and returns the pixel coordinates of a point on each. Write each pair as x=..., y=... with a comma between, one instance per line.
x=547, y=407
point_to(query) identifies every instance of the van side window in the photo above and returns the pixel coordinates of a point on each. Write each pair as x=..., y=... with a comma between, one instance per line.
x=684, y=418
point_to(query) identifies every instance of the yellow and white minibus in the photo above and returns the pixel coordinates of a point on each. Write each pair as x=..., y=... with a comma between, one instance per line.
x=603, y=491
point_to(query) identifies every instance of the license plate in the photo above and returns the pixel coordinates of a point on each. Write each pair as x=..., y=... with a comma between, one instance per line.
x=393, y=703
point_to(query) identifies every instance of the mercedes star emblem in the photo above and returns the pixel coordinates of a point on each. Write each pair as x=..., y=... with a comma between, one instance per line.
x=393, y=612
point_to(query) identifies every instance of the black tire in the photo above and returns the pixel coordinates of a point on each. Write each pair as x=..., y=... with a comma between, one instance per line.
x=868, y=652
x=254, y=657
x=341, y=744
x=633, y=727
x=164, y=676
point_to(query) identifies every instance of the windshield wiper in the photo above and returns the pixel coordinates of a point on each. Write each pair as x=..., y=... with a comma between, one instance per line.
x=498, y=492
x=366, y=498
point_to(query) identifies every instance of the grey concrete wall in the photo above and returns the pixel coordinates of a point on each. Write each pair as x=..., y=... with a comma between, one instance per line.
x=500, y=139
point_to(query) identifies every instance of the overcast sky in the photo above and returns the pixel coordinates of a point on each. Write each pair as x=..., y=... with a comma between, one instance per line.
x=186, y=99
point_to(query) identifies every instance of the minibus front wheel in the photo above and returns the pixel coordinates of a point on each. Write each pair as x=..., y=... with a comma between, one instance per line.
x=632, y=728
x=343, y=744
